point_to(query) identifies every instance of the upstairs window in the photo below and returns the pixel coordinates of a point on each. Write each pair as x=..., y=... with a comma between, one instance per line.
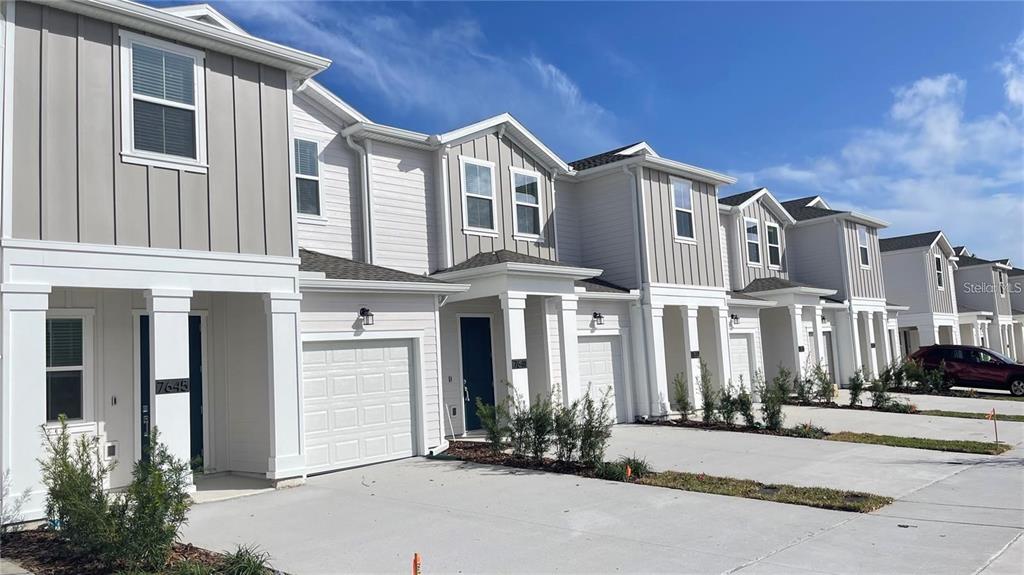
x=774, y=236
x=682, y=202
x=1002, y=284
x=65, y=394
x=162, y=93
x=526, y=187
x=307, y=177
x=478, y=193
x=862, y=246
x=752, y=230
x=940, y=281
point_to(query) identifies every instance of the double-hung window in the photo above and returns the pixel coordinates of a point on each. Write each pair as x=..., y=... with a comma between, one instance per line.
x=682, y=203
x=526, y=187
x=1002, y=283
x=478, y=194
x=940, y=280
x=307, y=177
x=753, y=235
x=774, y=236
x=162, y=103
x=862, y=246
x=65, y=368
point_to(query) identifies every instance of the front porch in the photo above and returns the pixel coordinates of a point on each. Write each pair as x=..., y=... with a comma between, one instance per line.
x=921, y=330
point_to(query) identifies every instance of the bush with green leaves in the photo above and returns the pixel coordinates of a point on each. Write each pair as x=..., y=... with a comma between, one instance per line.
x=745, y=405
x=880, y=389
x=773, y=397
x=808, y=431
x=246, y=560
x=856, y=386
x=638, y=466
x=823, y=389
x=727, y=406
x=494, y=421
x=542, y=427
x=152, y=510
x=77, y=505
x=610, y=470
x=708, y=397
x=595, y=427
x=681, y=393
x=191, y=568
x=519, y=424
x=802, y=389
x=567, y=431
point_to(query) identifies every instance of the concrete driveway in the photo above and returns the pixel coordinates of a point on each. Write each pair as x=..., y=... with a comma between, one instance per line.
x=465, y=518
x=981, y=404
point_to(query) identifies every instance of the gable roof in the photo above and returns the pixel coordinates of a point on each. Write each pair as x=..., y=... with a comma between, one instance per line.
x=921, y=240
x=737, y=202
x=802, y=212
x=1015, y=272
x=739, y=199
x=777, y=283
x=605, y=157
x=513, y=128
x=338, y=268
x=329, y=100
x=599, y=285
x=206, y=14
x=501, y=257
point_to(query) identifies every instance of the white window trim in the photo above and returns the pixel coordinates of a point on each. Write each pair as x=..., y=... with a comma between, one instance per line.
x=769, y=244
x=144, y=157
x=940, y=274
x=512, y=171
x=466, y=228
x=319, y=217
x=866, y=246
x=88, y=402
x=747, y=242
x=675, y=227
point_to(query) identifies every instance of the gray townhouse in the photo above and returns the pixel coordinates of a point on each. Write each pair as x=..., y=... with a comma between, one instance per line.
x=984, y=302
x=1016, y=279
x=147, y=239
x=919, y=272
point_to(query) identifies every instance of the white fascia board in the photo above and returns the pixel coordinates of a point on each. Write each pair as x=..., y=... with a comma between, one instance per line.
x=835, y=305
x=973, y=314
x=639, y=147
x=517, y=129
x=188, y=31
x=671, y=166
x=866, y=219
x=521, y=269
x=597, y=295
x=201, y=10
x=799, y=290
x=853, y=216
x=773, y=205
x=382, y=133
x=741, y=302
x=329, y=100
x=338, y=285
x=896, y=307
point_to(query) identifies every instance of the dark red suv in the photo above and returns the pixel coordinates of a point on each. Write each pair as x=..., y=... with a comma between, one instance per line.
x=971, y=366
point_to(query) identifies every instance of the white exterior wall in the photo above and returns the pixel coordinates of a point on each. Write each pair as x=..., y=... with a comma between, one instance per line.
x=608, y=236
x=451, y=361
x=567, y=222
x=403, y=206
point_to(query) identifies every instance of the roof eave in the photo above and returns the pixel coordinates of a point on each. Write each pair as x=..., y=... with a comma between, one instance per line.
x=320, y=94
x=383, y=133
x=348, y=285
x=671, y=166
x=573, y=273
x=776, y=207
x=802, y=290
x=520, y=131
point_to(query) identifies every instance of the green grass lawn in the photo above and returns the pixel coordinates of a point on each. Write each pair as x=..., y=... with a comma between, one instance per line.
x=970, y=415
x=821, y=497
x=963, y=446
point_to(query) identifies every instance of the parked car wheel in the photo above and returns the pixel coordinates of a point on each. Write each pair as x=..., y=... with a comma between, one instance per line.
x=1017, y=387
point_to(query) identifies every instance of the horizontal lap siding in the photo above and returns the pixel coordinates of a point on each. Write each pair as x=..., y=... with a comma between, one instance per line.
x=503, y=154
x=70, y=183
x=340, y=200
x=696, y=264
x=404, y=236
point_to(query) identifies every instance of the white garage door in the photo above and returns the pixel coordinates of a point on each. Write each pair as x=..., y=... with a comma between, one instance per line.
x=739, y=351
x=601, y=371
x=357, y=403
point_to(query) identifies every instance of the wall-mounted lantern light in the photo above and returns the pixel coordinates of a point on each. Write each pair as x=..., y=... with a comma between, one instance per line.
x=733, y=320
x=598, y=318
x=824, y=319
x=366, y=315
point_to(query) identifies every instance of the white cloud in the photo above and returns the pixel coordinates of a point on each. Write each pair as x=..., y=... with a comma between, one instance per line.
x=443, y=72
x=927, y=166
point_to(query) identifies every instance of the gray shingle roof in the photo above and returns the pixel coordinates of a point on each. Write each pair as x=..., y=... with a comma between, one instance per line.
x=600, y=285
x=737, y=199
x=799, y=202
x=746, y=296
x=965, y=261
x=831, y=299
x=921, y=240
x=1015, y=272
x=500, y=257
x=966, y=308
x=801, y=213
x=602, y=158
x=768, y=284
x=337, y=268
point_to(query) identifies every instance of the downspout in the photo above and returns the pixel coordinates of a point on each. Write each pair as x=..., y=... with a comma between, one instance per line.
x=364, y=184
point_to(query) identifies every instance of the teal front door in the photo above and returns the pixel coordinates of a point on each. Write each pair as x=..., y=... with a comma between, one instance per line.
x=477, y=366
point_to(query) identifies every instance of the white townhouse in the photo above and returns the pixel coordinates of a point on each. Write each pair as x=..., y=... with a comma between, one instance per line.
x=150, y=273
x=986, y=313
x=919, y=272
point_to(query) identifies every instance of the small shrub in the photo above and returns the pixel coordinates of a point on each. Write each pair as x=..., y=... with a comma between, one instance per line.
x=898, y=406
x=727, y=407
x=937, y=381
x=542, y=427
x=823, y=389
x=773, y=397
x=680, y=389
x=519, y=424
x=246, y=560
x=808, y=431
x=567, y=430
x=879, y=389
x=638, y=466
x=595, y=428
x=856, y=384
x=494, y=420
x=610, y=470
x=802, y=390
x=190, y=568
x=708, y=397
x=745, y=405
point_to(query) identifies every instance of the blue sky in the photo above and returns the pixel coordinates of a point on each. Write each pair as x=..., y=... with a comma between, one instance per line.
x=912, y=112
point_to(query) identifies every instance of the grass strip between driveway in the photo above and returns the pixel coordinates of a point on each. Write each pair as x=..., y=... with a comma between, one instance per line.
x=821, y=497
x=969, y=415
x=957, y=445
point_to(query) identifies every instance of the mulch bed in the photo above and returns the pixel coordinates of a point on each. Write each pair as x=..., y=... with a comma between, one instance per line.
x=43, y=553
x=715, y=426
x=477, y=452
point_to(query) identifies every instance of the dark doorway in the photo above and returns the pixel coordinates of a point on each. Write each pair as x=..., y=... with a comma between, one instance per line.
x=477, y=366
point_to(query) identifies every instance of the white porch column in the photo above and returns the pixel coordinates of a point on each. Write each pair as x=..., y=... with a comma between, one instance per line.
x=870, y=358
x=1018, y=339
x=1012, y=341
x=819, y=339
x=571, y=390
x=796, y=326
x=168, y=347
x=284, y=356
x=24, y=378
x=995, y=337
x=847, y=344
x=691, y=347
x=723, y=361
x=639, y=350
x=881, y=329
x=513, y=304
x=656, y=369
x=956, y=334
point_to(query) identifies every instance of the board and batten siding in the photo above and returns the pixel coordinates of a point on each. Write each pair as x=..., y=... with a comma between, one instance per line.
x=402, y=196
x=567, y=214
x=941, y=300
x=1002, y=298
x=605, y=218
x=864, y=282
x=504, y=154
x=674, y=262
x=339, y=229
x=68, y=178
x=743, y=272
